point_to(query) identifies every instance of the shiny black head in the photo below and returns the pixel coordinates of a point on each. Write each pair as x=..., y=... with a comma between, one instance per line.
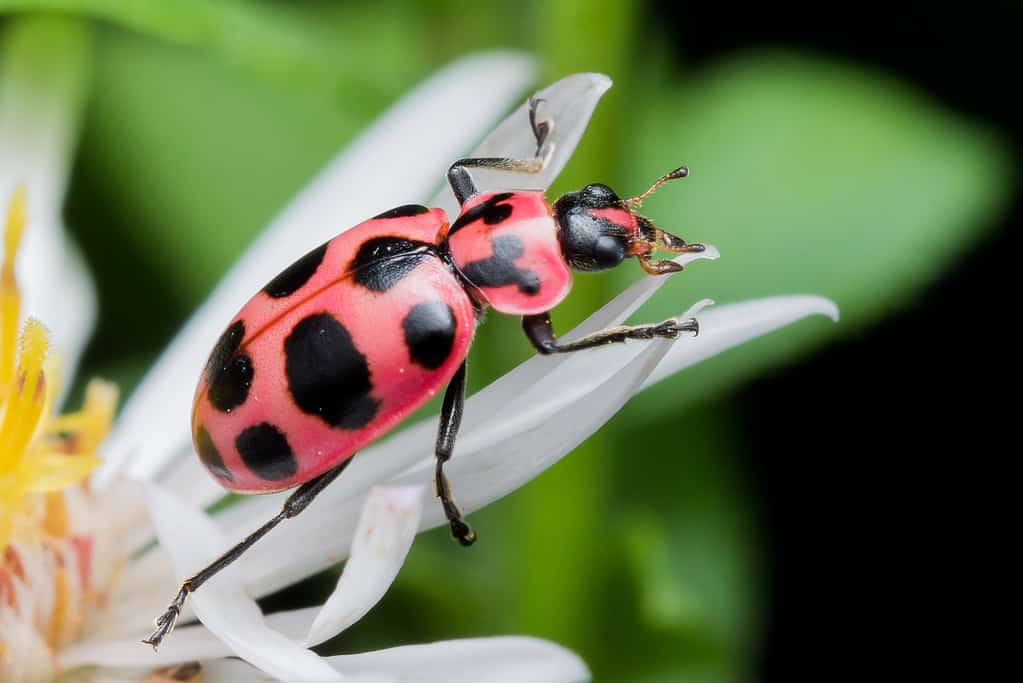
x=590, y=228
x=597, y=229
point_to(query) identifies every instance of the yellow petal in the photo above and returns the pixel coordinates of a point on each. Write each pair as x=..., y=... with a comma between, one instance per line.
x=56, y=471
x=55, y=517
x=26, y=398
x=10, y=302
x=82, y=431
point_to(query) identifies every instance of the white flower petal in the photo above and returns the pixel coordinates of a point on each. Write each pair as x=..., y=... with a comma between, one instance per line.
x=508, y=659
x=396, y=161
x=496, y=453
x=188, y=643
x=386, y=459
x=412, y=448
x=234, y=671
x=723, y=327
x=40, y=106
x=192, y=540
x=569, y=103
x=387, y=527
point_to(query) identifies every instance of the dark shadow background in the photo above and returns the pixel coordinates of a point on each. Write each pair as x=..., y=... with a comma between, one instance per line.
x=875, y=531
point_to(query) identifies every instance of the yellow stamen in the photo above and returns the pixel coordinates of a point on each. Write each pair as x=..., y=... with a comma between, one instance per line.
x=68, y=613
x=26, y=397
x=10, y=304
x=42, y=459
x=56, y=471
x=55, y=519
x=88, y=426
x=39, y=455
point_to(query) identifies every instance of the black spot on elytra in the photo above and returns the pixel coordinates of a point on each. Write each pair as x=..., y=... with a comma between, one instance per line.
x=404, y=211
x=297, y=274
x=209, y=455
x=327, y=376
x=500, y=269
x=382, y=262
x=429, y=333
x=228, y=372
x=265, y=451
x=225, y=347
x=491, y=210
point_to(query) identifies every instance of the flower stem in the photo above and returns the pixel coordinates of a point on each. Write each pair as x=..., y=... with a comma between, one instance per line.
x=565, y=510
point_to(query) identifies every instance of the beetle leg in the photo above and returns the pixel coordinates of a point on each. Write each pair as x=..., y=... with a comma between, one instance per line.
x=450, y=419
x=541, y=333
x=458, y=175
x=541, y=129
x=295, y=503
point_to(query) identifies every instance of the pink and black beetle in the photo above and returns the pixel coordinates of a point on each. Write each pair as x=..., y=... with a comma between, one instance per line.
x=358, y=333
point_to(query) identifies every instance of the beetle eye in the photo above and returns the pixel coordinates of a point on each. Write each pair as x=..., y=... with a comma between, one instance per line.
x=608, y=251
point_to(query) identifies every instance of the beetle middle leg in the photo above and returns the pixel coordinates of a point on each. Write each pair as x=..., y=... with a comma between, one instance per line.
x=295, y=503
x=540, y=331
x=450, y=420
x=458, y=175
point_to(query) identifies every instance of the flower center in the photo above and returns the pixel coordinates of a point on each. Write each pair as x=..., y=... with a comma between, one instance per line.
x=46, y=538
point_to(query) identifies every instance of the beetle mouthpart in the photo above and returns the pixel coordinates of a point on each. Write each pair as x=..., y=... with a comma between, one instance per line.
x=658, y=267
x=674, y=244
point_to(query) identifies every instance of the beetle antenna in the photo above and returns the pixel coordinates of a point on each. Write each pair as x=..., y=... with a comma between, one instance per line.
x=634, y=202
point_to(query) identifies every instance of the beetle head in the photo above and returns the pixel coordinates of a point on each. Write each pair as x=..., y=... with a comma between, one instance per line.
x=598, y=230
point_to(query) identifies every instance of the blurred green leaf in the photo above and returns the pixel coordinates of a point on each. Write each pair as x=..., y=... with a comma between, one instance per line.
x=811, y=177
x=167, y=124
x=309, y=42
x=164, y=125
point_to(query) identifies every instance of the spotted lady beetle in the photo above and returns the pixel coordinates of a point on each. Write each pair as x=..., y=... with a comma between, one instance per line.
x=357, y=334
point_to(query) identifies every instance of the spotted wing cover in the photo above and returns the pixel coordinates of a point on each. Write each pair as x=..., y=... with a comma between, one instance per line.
x=331, y=354
x=506, y=244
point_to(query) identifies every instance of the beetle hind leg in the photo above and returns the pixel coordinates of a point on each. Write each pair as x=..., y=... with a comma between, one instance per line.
x=295, y=503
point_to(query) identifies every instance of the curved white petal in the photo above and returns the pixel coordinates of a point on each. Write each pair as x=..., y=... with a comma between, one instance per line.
x=234, y=671
x=508, y=659
x=569, y=103
x=412, y=447
x=396, y=161
x=324, y=522
x=387, y=526
x=384, y=460
x=188, y=643
x=192, y=540
x=505, y=659
x=40, y=104
x=728, y=326
x=496, y=454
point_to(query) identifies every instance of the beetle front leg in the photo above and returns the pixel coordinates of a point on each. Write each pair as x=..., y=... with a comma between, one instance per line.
x=539, y=330
x=450, y=420
x=458, y=175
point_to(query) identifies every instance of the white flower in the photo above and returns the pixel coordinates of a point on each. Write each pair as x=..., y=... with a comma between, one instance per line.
x=511, y=431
